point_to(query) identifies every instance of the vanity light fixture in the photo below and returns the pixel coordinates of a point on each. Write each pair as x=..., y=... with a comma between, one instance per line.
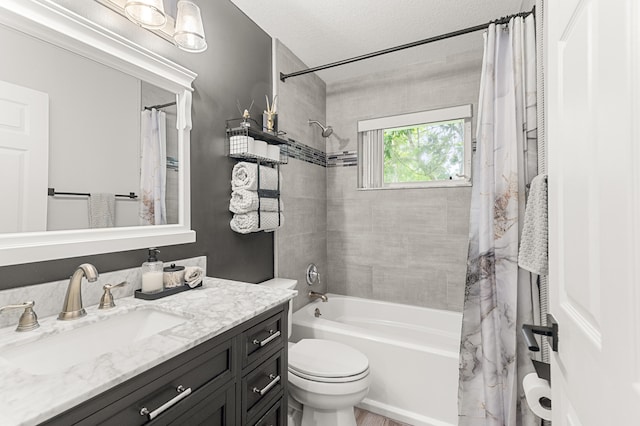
x=188, y=33
x=146, y=13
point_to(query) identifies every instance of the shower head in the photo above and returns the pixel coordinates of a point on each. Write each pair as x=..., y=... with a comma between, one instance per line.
x=326, y=131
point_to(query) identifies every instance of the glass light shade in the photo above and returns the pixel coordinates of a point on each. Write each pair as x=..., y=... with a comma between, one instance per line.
x=146, y=13
x=189, y=31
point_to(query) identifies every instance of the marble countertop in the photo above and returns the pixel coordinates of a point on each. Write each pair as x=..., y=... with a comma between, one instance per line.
x=28, y=399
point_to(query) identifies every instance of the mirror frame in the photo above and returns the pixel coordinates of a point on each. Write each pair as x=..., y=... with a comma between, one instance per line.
x=55, y=24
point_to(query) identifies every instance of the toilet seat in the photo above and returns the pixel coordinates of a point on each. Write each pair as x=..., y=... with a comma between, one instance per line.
x=327, y=361
x=330, y=379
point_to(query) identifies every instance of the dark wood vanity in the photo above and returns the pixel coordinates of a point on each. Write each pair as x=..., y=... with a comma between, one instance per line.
x=236, y=378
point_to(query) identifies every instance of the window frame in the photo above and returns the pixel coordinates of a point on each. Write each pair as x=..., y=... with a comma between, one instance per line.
x=420, y=118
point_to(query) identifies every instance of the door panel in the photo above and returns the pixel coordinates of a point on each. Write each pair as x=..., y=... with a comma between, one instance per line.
x=579, y=284
x=593, y=81
x=24, y=152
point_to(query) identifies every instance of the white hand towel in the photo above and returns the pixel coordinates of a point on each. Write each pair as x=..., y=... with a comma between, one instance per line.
x=248, y=222
x=244, y=201
x=534, y=254
x=102, y=210
x=193, y=275
x=245, y=176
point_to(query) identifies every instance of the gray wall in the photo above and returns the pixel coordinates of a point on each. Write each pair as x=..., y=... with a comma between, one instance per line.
x=303, y=238
x=236, y=66
x=403, y=245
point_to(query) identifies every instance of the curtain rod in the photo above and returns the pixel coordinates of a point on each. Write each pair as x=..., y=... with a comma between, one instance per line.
x=503, y=20
x=159, y=106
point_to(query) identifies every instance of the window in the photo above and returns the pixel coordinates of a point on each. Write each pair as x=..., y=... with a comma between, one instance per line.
x=429, y=148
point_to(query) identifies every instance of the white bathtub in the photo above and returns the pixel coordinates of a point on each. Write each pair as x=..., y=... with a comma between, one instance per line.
x=412, y=351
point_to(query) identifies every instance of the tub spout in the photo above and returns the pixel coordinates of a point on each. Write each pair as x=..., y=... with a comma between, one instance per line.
x=316, y=295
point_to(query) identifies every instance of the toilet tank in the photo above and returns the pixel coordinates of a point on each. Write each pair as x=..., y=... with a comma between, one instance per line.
x=288, y=284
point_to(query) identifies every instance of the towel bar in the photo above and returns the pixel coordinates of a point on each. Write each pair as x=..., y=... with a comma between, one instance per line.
x=51, y=192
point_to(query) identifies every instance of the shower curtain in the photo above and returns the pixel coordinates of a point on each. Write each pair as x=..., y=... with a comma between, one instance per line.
x=153, y=168
x=500, y=297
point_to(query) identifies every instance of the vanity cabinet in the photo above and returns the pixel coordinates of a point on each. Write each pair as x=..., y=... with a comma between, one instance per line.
x=236, y=378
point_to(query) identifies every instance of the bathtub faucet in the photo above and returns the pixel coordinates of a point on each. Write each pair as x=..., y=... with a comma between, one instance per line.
x=316, y=295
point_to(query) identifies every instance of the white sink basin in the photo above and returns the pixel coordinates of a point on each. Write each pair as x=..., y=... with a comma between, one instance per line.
x=61, y=351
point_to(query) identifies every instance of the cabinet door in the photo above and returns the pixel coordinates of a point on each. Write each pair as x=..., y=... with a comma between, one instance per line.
x=261, y=385
x=263, y=339
x=275, y=416
x=207, y=406
x=209, y=366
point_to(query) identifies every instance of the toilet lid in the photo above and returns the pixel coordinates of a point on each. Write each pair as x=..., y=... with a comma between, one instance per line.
x=326, y=358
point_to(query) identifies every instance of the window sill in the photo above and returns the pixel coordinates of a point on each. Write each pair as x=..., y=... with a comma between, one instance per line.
x=422, y=185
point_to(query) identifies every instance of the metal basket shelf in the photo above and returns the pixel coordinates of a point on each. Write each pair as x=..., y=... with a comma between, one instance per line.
x=258, y=158
x=239, y=148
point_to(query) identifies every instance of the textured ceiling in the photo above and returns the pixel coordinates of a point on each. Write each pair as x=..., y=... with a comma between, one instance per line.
x=320, y=32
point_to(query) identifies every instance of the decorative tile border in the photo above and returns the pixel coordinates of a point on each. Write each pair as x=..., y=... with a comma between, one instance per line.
x=342, y=159
x=306, y=153
x=311, y=155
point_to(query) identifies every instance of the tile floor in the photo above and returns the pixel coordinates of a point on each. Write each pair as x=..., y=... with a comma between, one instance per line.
x=365, y=418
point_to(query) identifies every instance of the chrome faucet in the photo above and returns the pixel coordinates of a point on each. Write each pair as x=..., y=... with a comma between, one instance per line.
x=72, y=306
x=316, y=295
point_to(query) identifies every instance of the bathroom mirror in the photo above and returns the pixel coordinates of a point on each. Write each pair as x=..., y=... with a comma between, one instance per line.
x=71, y=96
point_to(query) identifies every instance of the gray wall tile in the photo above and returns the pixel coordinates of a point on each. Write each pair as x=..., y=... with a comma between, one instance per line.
x=341, y=182
x=455, y=290
x=408, y=245
x=351, y=279
x=300, y=99
x=349, y=215
x=295, y=253
x=303, y=238
x=426, y=287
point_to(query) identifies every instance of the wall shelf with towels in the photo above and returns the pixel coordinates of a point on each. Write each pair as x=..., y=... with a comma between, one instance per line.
x=51, y=192
x=241, y=138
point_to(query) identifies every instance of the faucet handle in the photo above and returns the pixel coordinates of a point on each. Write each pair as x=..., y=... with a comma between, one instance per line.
x=313, y=275
x=110, y=286
x=106, y=301
x=28, y=320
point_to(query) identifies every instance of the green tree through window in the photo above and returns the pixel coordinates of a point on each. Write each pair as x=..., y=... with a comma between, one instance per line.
x=424, y=153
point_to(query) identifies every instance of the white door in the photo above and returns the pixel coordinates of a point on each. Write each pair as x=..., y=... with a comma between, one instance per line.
x=24, y=153
x=593, y=99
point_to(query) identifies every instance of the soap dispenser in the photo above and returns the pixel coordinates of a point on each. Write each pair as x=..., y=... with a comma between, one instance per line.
x=152, y=271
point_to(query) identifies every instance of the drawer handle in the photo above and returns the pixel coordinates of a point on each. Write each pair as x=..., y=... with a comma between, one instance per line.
x=182, y=393
x=272, y=383
x=274, y=335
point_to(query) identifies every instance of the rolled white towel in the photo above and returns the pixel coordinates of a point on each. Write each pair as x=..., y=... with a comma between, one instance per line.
x=245, y=176
x=193, y=275
x=248, y=222
x=244, y=201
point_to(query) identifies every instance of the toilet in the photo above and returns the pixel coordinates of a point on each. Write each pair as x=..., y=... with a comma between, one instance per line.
x=326, y=378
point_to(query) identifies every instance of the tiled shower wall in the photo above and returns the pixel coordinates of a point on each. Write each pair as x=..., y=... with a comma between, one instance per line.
x=402, y=245
x=303, y=238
